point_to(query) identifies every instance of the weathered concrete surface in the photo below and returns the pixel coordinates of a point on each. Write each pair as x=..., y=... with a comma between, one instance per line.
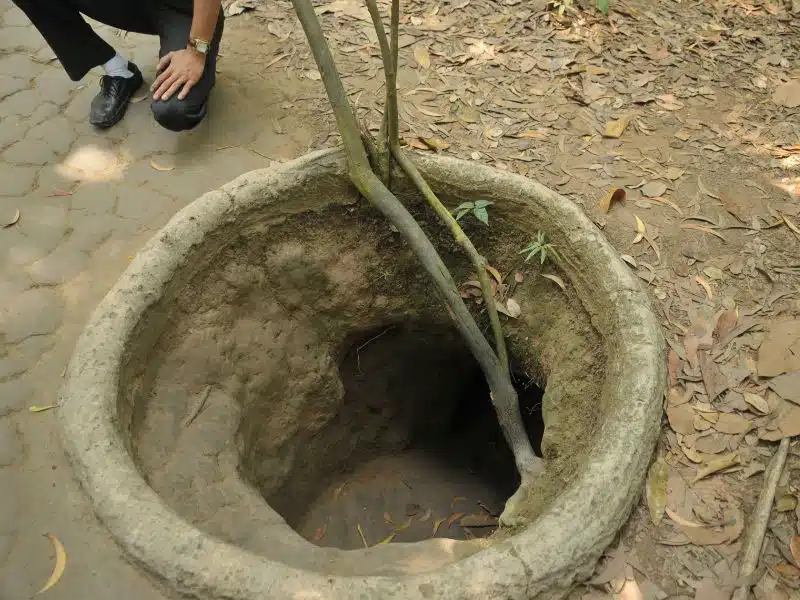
x=539, y=562
x=63, y=255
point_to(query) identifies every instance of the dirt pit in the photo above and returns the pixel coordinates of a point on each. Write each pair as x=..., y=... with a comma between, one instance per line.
x=308, y=377
x=441, y=466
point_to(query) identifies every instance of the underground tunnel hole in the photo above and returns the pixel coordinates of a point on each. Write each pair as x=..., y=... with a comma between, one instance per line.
x=415, y=450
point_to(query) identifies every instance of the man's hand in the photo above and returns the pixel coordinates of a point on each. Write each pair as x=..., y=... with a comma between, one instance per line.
x=181, y=69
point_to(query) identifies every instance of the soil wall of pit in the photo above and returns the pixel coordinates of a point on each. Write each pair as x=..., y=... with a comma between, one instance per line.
x=241, y=397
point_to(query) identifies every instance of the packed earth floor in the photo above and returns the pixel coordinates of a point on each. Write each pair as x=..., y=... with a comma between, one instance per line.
x=675, y=125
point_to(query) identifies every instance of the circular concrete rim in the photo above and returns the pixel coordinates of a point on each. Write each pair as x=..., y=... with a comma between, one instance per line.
x=545, y=558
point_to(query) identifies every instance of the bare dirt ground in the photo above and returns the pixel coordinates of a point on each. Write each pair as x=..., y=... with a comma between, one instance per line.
x=692, y=108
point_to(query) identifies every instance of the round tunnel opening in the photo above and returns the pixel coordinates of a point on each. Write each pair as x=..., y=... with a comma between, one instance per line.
x=415, y=450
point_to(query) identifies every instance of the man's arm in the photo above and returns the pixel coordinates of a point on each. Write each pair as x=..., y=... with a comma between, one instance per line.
x=204, y=19
x=182, y=69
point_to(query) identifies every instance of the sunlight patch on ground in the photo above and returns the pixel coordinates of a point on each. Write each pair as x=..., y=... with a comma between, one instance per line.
x=91, y=163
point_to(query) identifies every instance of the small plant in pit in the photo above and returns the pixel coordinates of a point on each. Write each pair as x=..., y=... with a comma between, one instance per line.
x=477, y=208
x=539, y=246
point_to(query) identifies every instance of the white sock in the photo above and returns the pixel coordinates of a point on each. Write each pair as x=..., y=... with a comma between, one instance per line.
x=118, y=67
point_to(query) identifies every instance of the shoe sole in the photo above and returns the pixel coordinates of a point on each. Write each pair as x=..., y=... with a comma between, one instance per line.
x=119, y=114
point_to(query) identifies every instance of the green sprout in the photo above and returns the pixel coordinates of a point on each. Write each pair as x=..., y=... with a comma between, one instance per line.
x=477, y=208
x=539, y=246
x=602, y=6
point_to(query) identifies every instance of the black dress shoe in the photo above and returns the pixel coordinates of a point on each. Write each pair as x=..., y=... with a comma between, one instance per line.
x=109, y=106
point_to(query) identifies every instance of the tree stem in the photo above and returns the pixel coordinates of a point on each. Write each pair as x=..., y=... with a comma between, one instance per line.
x=389, y=54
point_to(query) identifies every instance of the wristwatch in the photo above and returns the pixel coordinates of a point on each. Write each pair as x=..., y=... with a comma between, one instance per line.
x=199, y=45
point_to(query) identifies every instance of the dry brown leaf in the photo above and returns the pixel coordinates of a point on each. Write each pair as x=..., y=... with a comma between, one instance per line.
x=556, y=279
x=12, y=220
x=788, y=571
x=733, y=424
x=788, y=94
x=641, y=229
x=673, y=367
x=680, y=520
x=653, y=189
x=610, y=197
x=494, y=273
x=656, y=490
x=532, y=133
x=629, y=259
x=421, y=56
x=725, y=323
x=435, y=144
x=160, y=167
x=628, y=590
x=681, y=418
x=787, y=386
x=60, y=565
x=513, y=308
x=785, y=503
x=760, y=405
x=454, y=517
x=438, y=523
x=361, y=534
x=790, y=224
x=704, y=230
x=719, y=464
x=794, y=547
x=318, y=534
x=615, y=129
x=706, y=286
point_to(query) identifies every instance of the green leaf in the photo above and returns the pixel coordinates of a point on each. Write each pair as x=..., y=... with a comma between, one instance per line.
x=461, y=213
x=465, y=206
x=543, y=254
x=482, y=215
x=483, y=203
x=602, y=6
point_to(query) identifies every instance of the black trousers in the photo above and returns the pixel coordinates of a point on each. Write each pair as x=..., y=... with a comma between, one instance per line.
x=80, y=49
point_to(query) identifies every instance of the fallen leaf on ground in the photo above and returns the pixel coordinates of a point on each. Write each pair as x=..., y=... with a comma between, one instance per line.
x=673, y=367
x=709, y=590
x=11, y=220
x=454, y=517
x=706, y=286
x=58, y=568
x=41, y=408
x=656, y=490
x=628, y=589
x=681, y=418
x=786, y=424
x=556, y=279
x=160, y=167
x=438, y=523
x=779, y=353
x=785, y=503
x=733, y=424
x=788, y=94
x=435, y=144
x=421, y=56
x=495, y=273
x=615, y=129
x=513, y=308
x=787, y=386
x=653, y=189
x=674, y=173
x=725, y=323
x=361, y=534
x=704, y=230
x=713, y=377
x=612, y=196
x=351, y=8
x=788, y=571
x=680, y=520
x=720, y=464
x=641, y=229
x=760, y=405
x=794, y=547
